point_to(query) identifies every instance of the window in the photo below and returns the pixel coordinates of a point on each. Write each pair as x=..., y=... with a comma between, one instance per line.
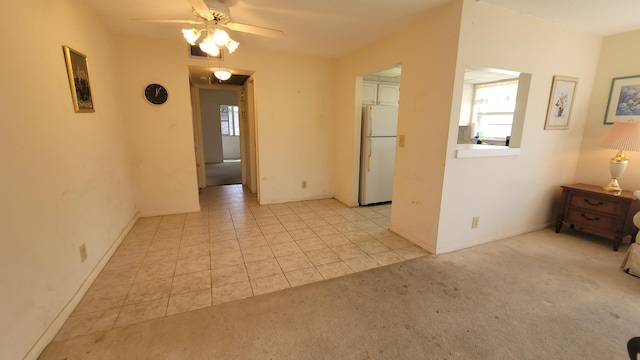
x=229, y=120
x=493, y=103
x=493, y=108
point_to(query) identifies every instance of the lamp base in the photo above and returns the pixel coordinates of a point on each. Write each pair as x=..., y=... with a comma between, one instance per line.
x=613, y=186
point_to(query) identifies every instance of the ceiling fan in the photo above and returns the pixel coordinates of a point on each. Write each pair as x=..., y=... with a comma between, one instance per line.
x=212, y=13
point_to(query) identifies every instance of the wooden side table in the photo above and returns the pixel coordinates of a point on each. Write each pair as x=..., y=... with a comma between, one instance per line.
x=590, y=208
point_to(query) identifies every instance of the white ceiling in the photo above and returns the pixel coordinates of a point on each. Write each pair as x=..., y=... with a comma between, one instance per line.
x=312, y=27
x=599, y=17
x=334, y=27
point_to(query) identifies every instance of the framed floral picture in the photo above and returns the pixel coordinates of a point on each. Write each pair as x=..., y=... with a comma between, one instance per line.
x=624, y=99
x=563, y=90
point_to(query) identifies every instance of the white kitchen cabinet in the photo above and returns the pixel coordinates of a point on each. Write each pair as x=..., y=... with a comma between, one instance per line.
x=374, y=93
x=388, y=94
x=369, y=93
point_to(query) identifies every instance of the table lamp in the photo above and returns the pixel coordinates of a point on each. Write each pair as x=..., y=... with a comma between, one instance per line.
x=622, y=136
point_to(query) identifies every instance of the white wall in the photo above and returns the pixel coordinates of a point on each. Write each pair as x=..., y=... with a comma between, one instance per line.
x=293, y=145
x=231, y=147
x=617, y=59
x=294, y=112
x=436, y=195
x=515, y=194
x=65, y=178
x=74, y=178
x=427, y=52
x=69, y=178
x=160, y=137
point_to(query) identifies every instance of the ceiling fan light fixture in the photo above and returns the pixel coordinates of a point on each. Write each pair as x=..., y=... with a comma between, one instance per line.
x=222, y=75
x=232, y=45
x=209, y=46
x=191, y=35
x=221, y=37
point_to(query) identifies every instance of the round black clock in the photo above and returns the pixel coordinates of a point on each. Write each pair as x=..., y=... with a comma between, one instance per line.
x=156, y=94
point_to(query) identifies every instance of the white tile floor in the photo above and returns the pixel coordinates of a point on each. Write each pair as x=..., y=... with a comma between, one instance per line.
x=233, y=249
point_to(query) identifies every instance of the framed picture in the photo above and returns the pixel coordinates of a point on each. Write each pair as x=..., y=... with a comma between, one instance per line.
x=624, y=99
x=78, y=80
x=563, y=90
x=195, y=51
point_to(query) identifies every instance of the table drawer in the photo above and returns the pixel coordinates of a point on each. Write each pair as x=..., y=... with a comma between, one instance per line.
x=594, y=203
x=590, y=219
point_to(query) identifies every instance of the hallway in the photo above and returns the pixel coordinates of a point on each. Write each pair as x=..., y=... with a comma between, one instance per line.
x=232, y=249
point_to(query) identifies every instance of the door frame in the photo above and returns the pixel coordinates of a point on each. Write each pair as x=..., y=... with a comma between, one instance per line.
x=250, y=145
x=247, y=133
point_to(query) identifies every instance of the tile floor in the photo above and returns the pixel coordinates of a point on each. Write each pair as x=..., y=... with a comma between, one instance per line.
x=232, y=249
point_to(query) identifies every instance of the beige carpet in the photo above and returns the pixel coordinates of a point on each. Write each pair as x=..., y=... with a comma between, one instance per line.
x=537, y=296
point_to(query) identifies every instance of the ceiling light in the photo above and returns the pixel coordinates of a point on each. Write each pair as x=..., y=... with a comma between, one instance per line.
x=220, y=37
x=215, y=38
x=191, y=35
x=232, y=45
x=209, y=46
x=222, y=75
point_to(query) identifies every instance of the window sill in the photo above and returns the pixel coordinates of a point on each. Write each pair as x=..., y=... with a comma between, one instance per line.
x=482, y=150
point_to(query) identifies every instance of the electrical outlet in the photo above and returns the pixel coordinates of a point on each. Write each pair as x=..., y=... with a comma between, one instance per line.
x=304, y=184
x=83, y=252
x=474, y=222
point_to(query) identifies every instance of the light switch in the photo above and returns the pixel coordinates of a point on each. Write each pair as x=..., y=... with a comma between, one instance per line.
x=401, y=141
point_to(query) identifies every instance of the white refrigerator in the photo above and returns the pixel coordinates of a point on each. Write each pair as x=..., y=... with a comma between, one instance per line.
x=378, y=153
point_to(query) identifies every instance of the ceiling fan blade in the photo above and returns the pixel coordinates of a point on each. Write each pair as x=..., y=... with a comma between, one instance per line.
x=201, y=8
x=257, y=30
x=167, y=21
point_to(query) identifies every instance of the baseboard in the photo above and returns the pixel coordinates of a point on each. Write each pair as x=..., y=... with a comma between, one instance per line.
x=307, y=198
x=482, y=241
x=49, y=334
x=170, y=212
x=399, y=232
x=476, y=242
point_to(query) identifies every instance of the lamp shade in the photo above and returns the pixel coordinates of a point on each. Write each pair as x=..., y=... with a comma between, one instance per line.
x=624, y=136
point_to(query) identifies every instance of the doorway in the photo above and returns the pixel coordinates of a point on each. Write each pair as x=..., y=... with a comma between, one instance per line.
x=224, y=123
x=379, y=120
x=220, y=117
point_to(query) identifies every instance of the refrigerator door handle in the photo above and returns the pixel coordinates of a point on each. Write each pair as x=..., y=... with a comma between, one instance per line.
x=369, y=158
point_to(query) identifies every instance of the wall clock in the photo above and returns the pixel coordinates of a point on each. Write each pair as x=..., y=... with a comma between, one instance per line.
x=156, y=94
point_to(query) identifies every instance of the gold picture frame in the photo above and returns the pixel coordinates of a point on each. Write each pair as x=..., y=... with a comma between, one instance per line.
x=78, y=73
x=563, y=91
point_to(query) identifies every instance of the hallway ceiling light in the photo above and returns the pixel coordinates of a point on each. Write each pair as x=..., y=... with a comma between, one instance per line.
x=222, y=75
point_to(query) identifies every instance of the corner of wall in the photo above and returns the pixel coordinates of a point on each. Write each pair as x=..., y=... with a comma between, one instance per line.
x=60, y=319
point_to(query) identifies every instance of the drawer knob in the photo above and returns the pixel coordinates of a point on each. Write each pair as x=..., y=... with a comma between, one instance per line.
x=599, y=203
x=588, y=218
